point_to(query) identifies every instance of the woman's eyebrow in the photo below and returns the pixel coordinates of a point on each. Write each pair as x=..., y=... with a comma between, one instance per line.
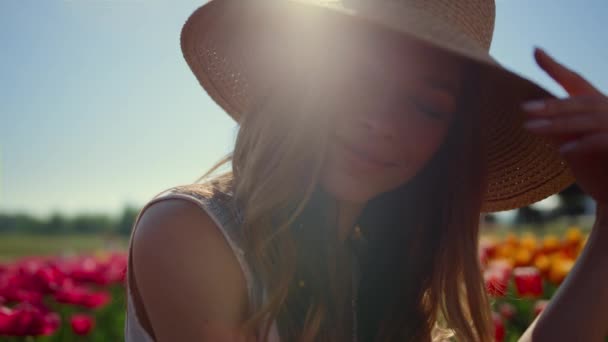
x=442, y=84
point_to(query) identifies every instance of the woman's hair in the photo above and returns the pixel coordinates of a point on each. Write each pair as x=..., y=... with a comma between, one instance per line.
x=420, y=272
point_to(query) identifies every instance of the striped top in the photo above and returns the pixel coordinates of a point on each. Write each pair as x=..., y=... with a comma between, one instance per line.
x=224, y=212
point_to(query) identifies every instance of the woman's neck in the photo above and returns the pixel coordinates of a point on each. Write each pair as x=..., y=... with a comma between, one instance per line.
x=348, y=212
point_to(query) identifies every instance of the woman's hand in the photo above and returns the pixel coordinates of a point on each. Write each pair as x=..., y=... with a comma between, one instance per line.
x=577, y=124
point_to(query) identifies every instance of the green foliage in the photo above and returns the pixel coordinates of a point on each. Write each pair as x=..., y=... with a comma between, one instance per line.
x=13, y=246
x=59, y=224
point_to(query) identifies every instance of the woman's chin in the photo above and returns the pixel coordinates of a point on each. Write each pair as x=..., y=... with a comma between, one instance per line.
x=344, y=188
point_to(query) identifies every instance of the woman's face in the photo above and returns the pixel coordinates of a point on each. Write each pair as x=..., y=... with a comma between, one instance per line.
x=392, y=105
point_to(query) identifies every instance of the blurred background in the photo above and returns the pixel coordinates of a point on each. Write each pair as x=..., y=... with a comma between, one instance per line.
x=99, y=112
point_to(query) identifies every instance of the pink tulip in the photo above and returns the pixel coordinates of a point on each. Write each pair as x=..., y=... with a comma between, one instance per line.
x=82, y=324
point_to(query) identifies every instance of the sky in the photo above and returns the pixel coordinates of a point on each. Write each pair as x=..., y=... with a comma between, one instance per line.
x=99, y=110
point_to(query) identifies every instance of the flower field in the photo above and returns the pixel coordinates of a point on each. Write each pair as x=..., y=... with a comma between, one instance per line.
x=522, y=272
x=81, y=297
x=78, y=298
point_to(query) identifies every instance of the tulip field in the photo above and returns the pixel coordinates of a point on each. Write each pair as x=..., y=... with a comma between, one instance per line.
x=63, y=297
x=80, y=297
x=522, y=272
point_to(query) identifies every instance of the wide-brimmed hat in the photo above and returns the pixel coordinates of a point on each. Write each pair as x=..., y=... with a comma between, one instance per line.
x=239, y=48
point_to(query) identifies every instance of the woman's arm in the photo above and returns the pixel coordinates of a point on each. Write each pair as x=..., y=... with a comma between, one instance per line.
x=578, y=125
x=188, y=277
x=579, y=309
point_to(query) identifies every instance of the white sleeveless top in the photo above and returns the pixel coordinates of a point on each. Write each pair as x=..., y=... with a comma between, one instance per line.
x=227, y=218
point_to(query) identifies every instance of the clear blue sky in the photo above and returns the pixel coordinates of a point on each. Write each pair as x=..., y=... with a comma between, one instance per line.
x=98, y=108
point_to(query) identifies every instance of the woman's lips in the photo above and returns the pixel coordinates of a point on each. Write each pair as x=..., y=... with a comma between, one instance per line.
x=361, y=158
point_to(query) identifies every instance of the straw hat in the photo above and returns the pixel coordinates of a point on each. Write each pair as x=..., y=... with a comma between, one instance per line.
x=238, y=48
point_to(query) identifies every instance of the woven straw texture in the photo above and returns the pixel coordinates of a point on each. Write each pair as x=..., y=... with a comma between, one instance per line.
x=237, y=49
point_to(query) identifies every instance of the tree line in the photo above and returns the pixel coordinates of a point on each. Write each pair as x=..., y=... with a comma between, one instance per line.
x=60, y=224
x=572, y=205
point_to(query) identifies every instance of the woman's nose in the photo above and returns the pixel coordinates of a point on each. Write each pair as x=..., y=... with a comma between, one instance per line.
x=380, y=126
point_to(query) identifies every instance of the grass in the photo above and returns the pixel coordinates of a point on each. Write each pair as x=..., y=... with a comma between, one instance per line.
x=13, y=246
x=556, y=227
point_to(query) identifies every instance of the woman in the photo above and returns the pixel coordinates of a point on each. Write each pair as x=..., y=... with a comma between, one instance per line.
x=372, y=135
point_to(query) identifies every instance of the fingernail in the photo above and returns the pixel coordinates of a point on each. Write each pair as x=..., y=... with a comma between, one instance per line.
x=534, y=106
x=568, y=146
x=537, y=123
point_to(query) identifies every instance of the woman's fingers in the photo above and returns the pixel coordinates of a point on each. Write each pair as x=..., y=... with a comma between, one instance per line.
x=570, y=124
x=567, y=106
x=569, y=79
x=588, y=145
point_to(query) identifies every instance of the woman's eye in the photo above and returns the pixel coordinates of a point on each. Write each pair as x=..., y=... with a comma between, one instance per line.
x=433, y=113
x=427, y=109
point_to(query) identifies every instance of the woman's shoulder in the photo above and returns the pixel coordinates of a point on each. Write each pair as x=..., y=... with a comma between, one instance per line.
x=216, y=196
x=174, y=239
x=214, y=189
x=211, y=201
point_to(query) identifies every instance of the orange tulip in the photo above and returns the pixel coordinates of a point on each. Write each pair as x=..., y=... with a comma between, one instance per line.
x=560, y=268
x=522, y=257
x=528, y=241
x=550, y=243
x=543, y=263
x=573, y=235
x=512, y=240
x=505, y=251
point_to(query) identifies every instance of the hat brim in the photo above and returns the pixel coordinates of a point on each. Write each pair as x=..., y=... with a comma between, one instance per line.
x=234, y=48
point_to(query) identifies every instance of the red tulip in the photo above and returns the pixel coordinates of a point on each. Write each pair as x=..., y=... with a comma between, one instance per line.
x=499, y=327
x=81, y=296
x=5, y=320
x=52, y=321
x=27, y=320
x=496, y=283
x=528, y=281
x=507, y=311
x=96, y=299
x=82, y=324
x=486, y=251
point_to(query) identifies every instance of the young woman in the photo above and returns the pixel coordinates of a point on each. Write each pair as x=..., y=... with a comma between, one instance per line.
x=372, y=135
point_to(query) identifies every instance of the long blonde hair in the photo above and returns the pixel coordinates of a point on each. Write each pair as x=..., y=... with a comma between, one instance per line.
x=421, y=277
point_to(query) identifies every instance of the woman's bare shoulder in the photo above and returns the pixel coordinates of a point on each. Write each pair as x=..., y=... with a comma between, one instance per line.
x=185, y=271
